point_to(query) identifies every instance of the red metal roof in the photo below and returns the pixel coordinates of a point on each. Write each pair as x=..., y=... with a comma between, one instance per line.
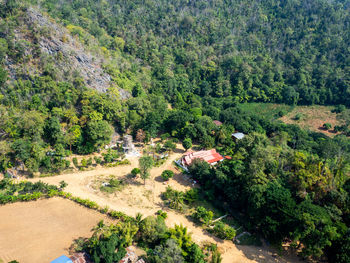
x=210, y=156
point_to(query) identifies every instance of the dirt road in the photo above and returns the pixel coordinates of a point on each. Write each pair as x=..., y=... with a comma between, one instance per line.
x=145, y=199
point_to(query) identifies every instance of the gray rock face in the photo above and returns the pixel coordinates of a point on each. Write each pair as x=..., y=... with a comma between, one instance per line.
x=69, y=54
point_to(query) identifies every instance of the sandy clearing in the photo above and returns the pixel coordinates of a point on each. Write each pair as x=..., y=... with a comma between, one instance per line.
x=43, y=230
x=145, y=199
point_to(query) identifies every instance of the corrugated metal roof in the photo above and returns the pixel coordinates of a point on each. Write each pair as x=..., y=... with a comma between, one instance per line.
x=238, y=135
x=210, y=156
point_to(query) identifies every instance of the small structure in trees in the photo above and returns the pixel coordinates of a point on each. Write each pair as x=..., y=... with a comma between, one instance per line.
x=128, y=146
x=217, y=123
x=238, y=135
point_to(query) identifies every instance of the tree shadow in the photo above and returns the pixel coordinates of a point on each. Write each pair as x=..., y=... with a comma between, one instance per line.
x=183, y=179
x=268, y=253
x=177, y=150
x=131, y=180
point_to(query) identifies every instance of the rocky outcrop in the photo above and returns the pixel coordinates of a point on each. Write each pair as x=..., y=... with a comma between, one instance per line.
x=68, y=54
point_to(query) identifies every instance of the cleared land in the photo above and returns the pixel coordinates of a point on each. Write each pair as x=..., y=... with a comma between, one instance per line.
x=313, y=118
x=145, y=199
x=43, y=230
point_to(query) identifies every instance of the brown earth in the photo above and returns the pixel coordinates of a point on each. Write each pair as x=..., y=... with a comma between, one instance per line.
x=313, y=118
x=40, y=231
x=139, y=198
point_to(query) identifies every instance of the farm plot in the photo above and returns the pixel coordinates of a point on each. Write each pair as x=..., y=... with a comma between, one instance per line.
x=43, y=230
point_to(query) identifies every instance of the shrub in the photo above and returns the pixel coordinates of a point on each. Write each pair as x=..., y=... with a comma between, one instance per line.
x=89, y=162
x=162, y=214
x=75, y=162
x=164, y=136
x=135, y=172
x=223, y=231
x=98, y=160
x=167, y=174
x=282, y=113
x=169, y=145
x=327, y=126
x=203, y=216
x=191, y=195
x=339, y=109
x=83, y=162
x=298, y=116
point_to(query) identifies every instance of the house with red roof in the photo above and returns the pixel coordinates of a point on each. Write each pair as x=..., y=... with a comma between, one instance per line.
x=212, y=157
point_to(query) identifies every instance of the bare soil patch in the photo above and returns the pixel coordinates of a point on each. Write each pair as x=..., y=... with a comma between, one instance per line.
x=313, y=118
x=43, y=230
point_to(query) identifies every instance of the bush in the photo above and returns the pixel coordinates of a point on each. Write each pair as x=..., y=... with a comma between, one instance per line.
x=169, y=145
x=339, y=109
x=327, y=126
x=203, y=216
x=135, y=172
x=98, y=160
x=164, y=136
x=162, y=214
x=223, y=231
x=83, y=162
x=282, y=113
x=89, y=162
x=298, y=116
x=167, y=174
x=191, y=195
x=75, y=162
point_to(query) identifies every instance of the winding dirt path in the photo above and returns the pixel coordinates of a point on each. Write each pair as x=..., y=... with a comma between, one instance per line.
x=145, y=199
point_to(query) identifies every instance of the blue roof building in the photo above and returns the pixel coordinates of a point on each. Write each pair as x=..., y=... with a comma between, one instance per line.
x=62, y=259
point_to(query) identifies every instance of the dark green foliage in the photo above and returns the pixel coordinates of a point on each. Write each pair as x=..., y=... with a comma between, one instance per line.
x=107, y=250
x=187, y=143
x=327, y=126
x=223, y=231
x=203, y=216
x=98, y=133
x=152, y=230
x=170, y=252
x=167, y=174
x=135, y=172
x=162, y=214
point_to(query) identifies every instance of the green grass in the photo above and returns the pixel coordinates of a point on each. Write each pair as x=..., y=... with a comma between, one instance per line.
x=268, y=110
x=113, y=186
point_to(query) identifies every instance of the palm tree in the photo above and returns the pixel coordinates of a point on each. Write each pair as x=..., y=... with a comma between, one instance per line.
x=138, y=218
x=177, y=200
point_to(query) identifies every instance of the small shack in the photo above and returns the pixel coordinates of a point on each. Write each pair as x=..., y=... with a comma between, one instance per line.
x=238, y=136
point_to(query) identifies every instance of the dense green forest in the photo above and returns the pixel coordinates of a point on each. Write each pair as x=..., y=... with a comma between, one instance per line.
x=185, y=64
x=268, y=51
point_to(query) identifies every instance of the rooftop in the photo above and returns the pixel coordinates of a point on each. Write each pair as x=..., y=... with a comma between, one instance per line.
x=210, y=156
x=238, y=135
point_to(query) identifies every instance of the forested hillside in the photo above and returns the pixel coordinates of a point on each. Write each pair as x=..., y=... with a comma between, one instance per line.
x=278, y=51
x=73, y=72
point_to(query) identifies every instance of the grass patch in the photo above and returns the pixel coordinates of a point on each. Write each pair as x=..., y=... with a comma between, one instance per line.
x=269, y=110
x=109, y=184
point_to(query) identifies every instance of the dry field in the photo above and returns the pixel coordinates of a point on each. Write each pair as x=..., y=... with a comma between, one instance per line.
x=313, y=118
x=43, y=230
